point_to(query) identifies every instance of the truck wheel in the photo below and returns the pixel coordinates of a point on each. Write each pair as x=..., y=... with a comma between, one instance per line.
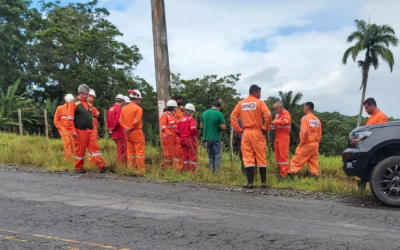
x=385, y=181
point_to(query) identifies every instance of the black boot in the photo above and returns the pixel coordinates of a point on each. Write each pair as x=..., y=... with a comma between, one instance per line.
x=103, y=170
x=290, y=177
x=362, y=184
x=250, y=177
x=263, y=174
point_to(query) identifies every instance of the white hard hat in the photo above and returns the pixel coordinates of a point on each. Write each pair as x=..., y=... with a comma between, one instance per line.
x=91, y=92
x=69, y=97
x=127, y=99
x=134, y=93
x=190, y=107
x=172, y=103
x=120, y=96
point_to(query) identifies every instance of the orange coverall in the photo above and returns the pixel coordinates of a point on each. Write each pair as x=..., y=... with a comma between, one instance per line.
x=131, y=118
x=179, y=113
x=95, y=133
x=86, y=137
x=170, y=142
x=377, y=117
x=283, y=123
x=61, y=123
x=251, y=111
x=307, y=151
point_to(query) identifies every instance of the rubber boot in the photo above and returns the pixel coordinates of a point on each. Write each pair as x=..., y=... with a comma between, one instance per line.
x=250, y=177
x=263, y=174
x=362, y=184
x=290, y=177
x=103, y=170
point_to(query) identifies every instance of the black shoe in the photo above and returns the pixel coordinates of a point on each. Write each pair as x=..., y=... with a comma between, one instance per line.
x=316, y=177
x=362, y=184
x=80, y=171
x=248, y=185
x=103, y=170
x=290, y=177
x=263, y=185
x=280, y=178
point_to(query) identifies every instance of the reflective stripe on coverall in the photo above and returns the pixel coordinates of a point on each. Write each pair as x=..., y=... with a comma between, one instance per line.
x=61, y=123
x=187, y=132
x=118, y=135
x=170, y=141
x=131, y=118
x=307, y=151
x=95, y=113
x=377, y=117
x=283, y=123
x=251, y=112
x=86, y=138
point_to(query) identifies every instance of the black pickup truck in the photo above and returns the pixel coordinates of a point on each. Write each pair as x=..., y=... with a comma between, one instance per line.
x=373, y=154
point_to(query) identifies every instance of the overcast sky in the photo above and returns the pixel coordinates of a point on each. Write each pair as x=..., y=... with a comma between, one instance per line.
x=280, y=45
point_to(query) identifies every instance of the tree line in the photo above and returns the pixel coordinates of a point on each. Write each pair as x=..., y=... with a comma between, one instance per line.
x=46, y=53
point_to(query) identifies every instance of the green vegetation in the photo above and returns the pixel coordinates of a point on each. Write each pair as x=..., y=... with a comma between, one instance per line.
x=33, y=152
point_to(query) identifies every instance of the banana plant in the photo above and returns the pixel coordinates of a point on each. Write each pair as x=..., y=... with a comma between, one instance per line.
x=38, y=112
x=153, y=135
x=10, y=102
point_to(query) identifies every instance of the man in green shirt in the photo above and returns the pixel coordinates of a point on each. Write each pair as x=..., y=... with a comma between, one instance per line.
x=212, y=122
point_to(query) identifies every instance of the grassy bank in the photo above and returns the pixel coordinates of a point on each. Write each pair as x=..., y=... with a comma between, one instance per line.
x=33, y=152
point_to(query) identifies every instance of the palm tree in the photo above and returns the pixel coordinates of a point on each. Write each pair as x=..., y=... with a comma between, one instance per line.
x=290, y=102
x=375, y=40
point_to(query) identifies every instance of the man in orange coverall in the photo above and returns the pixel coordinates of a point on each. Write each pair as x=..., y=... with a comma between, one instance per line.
x=61, y=123
x=116, y=130
x=282, y=125
x=96, y=114
x=376, y=116
x=80, y=122
x=251, y=111
x=131, y=122
x=310, y=137
x=179, y=110
x=188, y=136
x=170, y=140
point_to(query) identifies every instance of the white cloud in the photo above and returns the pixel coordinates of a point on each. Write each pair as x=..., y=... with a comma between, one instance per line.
x=207, y=37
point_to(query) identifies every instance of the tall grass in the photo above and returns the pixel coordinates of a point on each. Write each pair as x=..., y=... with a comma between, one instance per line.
x=33, y=152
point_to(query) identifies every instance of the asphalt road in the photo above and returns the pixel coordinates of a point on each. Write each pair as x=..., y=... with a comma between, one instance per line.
x=44, y=211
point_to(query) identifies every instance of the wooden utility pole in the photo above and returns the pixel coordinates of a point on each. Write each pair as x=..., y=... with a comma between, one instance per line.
x=161, y=59
x=20, y=126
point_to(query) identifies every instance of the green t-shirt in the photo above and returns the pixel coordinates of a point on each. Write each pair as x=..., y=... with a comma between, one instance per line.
x=211, y=120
